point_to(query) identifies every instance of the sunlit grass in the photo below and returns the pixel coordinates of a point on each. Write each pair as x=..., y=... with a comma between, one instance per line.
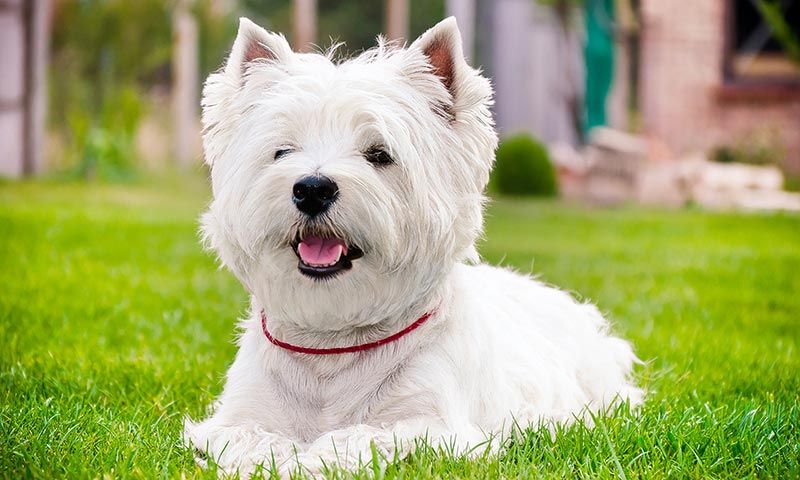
x=115, y=324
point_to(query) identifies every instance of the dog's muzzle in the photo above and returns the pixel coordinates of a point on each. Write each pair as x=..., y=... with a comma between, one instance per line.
x=324, y=256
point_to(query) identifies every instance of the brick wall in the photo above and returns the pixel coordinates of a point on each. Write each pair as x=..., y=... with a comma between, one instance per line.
x=683, y=96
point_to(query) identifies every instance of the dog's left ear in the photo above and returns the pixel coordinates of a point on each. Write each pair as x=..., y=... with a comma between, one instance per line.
x=441, y=45
x=253, y=44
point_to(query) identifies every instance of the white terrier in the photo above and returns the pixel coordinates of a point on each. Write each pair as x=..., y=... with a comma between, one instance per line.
x=348, y=199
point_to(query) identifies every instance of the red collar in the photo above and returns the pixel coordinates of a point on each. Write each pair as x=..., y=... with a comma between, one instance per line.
x=337, y=350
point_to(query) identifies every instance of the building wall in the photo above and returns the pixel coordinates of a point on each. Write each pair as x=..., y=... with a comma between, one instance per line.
x=683, y=97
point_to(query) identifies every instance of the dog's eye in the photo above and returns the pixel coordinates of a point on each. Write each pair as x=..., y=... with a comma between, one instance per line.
x=378, y=157
x=282, y=152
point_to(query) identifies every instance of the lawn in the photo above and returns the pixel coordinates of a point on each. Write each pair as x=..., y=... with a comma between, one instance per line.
x=115, y=324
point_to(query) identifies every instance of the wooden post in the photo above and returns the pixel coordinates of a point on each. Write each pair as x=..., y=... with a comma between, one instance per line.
x=464, y=11
x=620, y=94
x=305, y=25
x=36, y=73
x=397, y=19
x=185, y=98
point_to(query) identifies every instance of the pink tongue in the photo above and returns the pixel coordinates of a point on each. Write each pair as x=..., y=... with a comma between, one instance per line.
x=321, y=251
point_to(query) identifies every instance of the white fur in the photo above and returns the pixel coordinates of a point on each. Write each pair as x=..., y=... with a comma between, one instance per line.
x=501, y=348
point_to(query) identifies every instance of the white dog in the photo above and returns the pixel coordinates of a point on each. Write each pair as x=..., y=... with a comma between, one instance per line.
x=348, y=199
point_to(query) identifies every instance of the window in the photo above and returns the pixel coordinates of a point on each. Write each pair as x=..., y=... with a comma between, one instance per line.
x=753, y=54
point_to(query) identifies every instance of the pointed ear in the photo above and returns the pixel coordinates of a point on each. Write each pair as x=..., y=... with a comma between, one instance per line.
x=254, y=43
x=441, y=45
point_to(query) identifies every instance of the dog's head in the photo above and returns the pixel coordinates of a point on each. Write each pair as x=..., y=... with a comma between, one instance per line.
x=345, y=191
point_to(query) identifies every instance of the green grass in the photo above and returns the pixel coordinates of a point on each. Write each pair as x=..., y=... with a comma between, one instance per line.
x=115, y=324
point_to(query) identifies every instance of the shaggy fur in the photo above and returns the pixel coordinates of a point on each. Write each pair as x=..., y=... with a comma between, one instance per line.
x=500, y=349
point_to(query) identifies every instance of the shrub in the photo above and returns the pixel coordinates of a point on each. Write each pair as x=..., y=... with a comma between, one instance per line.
x=749, y=154
x=791, y=182
x=103, y=147
x=523, y=167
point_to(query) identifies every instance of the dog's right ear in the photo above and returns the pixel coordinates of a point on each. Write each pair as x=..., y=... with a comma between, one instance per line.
x=254, y=44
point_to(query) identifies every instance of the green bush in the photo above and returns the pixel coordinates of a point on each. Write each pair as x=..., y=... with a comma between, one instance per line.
x=763, y=146
x=103, y=146
x=523, y=167
x=749, y=154
x=791, y=182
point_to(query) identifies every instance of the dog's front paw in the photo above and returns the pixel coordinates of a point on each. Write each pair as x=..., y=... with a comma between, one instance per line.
x=238, y=449
x=347, y=448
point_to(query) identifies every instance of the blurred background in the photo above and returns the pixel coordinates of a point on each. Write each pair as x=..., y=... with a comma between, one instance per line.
x=116, y=324
x=649, y=101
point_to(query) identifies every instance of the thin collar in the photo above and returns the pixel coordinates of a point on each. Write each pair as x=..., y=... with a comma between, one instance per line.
x=338, y=350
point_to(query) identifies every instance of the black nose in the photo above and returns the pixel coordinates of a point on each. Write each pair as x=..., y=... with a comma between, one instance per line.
x=314, y=194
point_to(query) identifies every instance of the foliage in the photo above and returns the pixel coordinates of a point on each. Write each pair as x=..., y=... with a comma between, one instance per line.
x=523, y=167
x=354, y=22
x=772, y=13
x=763, y=147
x=791, y=182
x=106, y=55
x=116, y=324
x=104, y=45
x=216, y=33
x=106, y=150
x=102, y=50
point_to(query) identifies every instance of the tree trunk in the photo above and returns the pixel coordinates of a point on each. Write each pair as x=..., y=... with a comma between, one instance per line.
x=36, y=72
x=464, y=11
x=397, y=19
x=305, y=24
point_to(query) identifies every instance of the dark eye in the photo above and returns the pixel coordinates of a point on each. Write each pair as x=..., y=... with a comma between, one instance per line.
x=378, y=157
x=282, y=152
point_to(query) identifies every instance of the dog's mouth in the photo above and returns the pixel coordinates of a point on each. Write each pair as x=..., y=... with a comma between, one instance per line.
x=324, y=256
